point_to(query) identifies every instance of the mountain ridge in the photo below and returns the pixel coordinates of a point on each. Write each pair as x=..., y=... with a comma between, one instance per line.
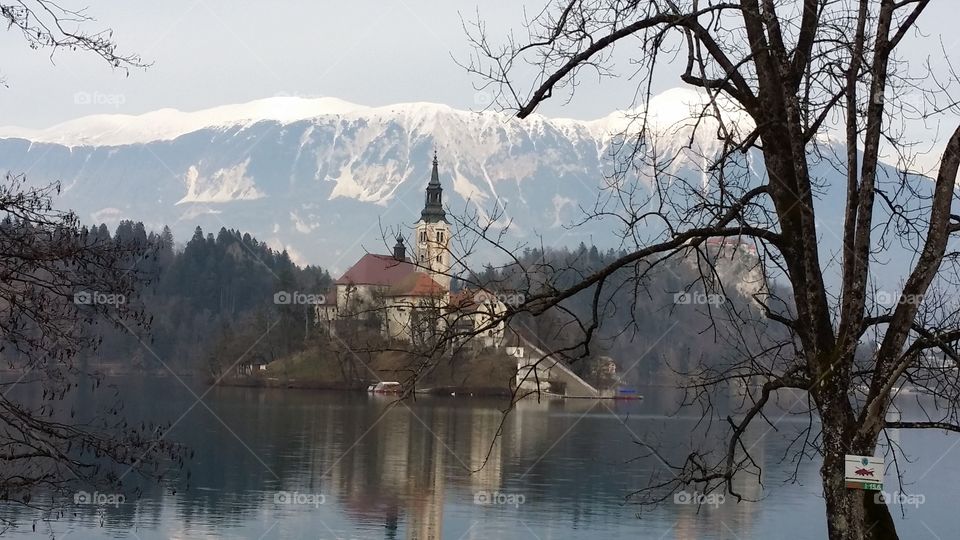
x=322, y=186
x=170, y=123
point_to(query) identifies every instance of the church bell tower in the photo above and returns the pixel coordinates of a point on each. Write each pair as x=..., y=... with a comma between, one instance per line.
x=433, y=232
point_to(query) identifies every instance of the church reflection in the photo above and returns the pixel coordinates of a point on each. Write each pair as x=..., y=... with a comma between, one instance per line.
x=414, y=460
x=412, y=470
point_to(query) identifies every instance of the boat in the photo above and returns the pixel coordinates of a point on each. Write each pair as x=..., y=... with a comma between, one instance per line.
x=627, y=393
x=385, y=387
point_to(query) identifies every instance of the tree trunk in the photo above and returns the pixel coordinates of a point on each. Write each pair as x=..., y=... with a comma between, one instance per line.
x=852, y=514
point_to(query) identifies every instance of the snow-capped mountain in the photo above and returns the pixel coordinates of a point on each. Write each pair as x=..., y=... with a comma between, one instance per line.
x=325, y=178
x=322, y=176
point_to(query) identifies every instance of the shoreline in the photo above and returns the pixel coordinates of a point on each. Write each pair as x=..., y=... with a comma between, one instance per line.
x=294, y=384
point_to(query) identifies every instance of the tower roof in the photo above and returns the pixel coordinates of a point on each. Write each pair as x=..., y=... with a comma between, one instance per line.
x=435, y=174
x=433, y=204
x=400, y=250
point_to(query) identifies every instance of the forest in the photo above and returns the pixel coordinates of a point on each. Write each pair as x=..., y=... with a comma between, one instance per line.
x=209, y=301
x=656, y=319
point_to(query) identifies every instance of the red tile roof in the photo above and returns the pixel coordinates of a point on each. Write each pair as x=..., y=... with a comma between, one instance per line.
x=377, y=270
x=416, y=284
x=463, y=299
x=469, y=300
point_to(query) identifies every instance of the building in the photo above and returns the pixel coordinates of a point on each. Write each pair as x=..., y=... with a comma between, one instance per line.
x=726, y=245
x=408, y=297
x=433, y=232
x=360, y=291
x=413, y=307
x=475, y=314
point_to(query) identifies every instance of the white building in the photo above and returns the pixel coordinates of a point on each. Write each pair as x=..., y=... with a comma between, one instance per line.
x=410, y=296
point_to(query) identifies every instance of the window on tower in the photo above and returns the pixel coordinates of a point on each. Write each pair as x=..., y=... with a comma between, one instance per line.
x=439, y=237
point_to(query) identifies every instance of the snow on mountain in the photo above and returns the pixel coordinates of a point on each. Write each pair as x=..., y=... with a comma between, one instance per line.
x=325, y=178
x=669, y=111
x=224, y=185
x=167, y=124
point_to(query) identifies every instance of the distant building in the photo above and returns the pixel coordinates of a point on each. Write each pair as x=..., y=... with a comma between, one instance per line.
x=361, y=289
x=475, y=315
x=410, y=296
x=726, y=244
x=433, y=232
x=413, y=307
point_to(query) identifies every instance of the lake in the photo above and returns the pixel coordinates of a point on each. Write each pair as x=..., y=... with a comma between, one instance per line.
x=271, y=463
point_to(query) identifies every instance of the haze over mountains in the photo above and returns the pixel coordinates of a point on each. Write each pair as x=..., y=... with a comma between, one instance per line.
x=320, y=177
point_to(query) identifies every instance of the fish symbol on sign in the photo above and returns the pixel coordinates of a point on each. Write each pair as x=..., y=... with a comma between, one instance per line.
x=864, y=472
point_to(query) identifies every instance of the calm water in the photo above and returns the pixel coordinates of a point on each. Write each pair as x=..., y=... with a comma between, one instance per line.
x=302, y=464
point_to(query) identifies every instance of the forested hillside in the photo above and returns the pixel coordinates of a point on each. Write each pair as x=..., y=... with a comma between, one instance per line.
x=211, y=302
x=652, y=319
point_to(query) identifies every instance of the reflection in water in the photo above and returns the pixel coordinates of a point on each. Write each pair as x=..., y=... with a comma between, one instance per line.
x=560, y=469
x=404, y=464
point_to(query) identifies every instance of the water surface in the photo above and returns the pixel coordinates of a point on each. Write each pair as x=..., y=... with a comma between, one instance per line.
x=272, y=463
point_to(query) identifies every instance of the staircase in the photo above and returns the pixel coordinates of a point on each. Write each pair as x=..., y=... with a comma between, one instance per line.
x=534, y=365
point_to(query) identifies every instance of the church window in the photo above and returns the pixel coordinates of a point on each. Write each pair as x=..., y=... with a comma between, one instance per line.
x=438, y=258
x=439, y=237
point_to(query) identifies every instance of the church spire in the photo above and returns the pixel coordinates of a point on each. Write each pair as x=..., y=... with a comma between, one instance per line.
x=433, y=204
x=435, y=174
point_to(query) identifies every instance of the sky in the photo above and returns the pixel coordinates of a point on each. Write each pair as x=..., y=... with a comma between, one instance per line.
x=213, y=52
x=371, y=52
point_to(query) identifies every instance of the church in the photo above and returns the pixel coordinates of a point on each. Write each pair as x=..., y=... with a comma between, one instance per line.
x=408, y=297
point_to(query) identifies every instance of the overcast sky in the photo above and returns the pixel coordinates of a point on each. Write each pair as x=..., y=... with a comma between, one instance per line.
x=214, y=52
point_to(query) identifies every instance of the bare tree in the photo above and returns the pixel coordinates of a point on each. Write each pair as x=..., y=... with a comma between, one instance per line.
x=45, y=24
x=789, y=89
x=57, y=280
